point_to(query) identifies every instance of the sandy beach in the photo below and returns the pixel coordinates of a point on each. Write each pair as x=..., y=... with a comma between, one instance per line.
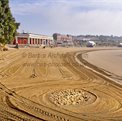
x=49, y=84
x=110, y=60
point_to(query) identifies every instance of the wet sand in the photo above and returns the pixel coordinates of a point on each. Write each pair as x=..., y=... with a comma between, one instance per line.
x=110, y=60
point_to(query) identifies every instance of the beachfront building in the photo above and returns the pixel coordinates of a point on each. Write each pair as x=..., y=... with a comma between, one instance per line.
x=120, y=45
x=91, y=44
x=33, y=39
x=63, y=40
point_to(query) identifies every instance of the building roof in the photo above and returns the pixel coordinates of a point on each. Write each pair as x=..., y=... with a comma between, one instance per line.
x=31, y=35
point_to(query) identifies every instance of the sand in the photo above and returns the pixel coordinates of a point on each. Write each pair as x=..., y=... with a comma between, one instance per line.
x=110, y=60
x=49, y=84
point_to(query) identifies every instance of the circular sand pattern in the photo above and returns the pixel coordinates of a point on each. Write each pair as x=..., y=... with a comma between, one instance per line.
x=72, y=97
x=58, y=93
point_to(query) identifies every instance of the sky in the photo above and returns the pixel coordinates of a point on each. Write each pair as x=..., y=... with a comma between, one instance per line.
x=76, y=17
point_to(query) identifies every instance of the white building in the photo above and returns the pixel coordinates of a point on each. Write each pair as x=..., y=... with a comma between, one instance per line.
x=91, y=44
x=120, y=45
x=33, y=39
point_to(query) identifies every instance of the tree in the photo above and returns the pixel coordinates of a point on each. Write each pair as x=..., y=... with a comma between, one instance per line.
x=8, y=25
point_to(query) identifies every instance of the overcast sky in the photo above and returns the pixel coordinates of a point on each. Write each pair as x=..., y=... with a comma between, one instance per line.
x=69, y=16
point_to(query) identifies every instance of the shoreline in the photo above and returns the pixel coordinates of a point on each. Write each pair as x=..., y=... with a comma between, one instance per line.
x=109, y=76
